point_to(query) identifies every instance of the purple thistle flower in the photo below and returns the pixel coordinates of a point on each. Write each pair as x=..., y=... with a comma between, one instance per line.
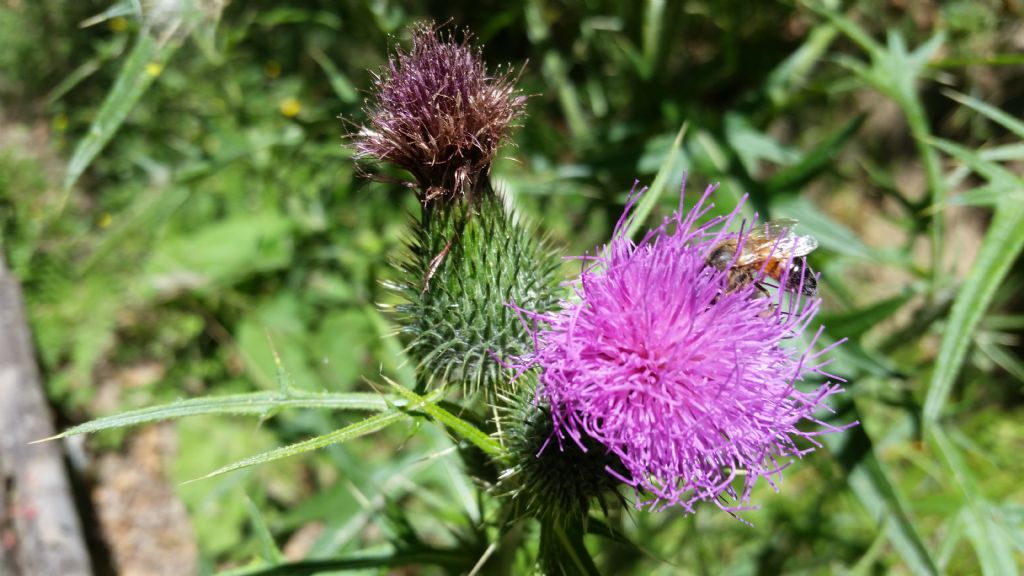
x=438, y=114
x=689, y=384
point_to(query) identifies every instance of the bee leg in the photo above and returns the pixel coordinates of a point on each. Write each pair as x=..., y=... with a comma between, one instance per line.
x=770, y=310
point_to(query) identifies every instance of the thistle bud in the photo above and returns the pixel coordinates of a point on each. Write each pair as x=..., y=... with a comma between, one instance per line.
x=556, y=482
x=465, y=264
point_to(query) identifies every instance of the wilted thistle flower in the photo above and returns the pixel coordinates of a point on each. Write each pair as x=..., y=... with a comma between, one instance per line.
x=691, y=385
x=437, y=113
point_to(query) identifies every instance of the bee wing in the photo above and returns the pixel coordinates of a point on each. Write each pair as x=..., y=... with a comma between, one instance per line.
x=772, y=230
x=775, y=239
x=802, y=246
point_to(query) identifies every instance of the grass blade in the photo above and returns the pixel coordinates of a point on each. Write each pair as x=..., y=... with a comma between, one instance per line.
x=654, y=19
x=819, y=159
x=143, y=65
x=994, y=173
x=576, y=552
x=340, y=83
x=999, y=249
x=869, y=482
x=269, y=551
x=994, y=550
x=855, y=323
x=650, y=198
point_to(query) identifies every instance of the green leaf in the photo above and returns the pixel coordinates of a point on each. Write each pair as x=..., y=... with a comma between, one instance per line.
x=870, y=483
x=658, y=187
x=988, y=195
x=991, y=112
x=350, y=432
x=489, y=445
x=831, y=235
x=999, y=250
x=994, y=173
x=1003, y=356
x=221, y=253
x=576, y=552
x=255, y=403
x=1013, y=517
x=340, y=83
x=993, y=548
x=143, y=65
x=456, y=561
x=752, y=146
x=853, y=324
x=847, y=27
x=269, y=551
x=819, y=159
x=788, y=77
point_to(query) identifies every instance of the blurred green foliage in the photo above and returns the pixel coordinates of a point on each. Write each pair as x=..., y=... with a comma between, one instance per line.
x=218, y=222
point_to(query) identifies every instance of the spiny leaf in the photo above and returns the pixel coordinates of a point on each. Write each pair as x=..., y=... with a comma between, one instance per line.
x=457, y=561
x=256, y=403
x=464, y=429
x=350, y=432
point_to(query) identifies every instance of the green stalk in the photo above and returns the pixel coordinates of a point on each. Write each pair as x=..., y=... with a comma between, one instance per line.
x=919, y=129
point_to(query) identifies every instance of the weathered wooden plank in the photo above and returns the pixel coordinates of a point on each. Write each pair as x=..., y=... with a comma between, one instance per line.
x=40, y=531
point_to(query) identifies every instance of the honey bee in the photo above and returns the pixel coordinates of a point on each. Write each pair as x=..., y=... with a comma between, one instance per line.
x=767, y=249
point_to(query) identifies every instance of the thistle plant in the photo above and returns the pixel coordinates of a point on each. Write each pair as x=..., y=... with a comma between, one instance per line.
x=654, y=372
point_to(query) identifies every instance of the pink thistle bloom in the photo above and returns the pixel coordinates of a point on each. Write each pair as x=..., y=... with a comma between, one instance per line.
x=692, y=386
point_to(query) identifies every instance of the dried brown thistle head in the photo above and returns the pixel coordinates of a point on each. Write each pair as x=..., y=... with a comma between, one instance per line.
x=437, y=113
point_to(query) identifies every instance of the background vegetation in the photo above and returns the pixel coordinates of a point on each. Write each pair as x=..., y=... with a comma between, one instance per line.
x=181, y=208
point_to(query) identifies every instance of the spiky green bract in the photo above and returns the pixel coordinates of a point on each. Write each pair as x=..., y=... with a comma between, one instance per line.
x=557, y=483
x=466, y=262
